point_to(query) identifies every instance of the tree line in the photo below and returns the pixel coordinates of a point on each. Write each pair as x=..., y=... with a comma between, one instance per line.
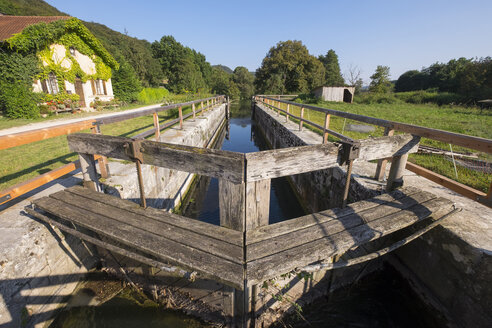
x=470, y=78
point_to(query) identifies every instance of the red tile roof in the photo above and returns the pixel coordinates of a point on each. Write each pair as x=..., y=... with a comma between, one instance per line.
x=9, y=25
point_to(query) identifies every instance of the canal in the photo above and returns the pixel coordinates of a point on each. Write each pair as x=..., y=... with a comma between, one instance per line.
x=380, y=299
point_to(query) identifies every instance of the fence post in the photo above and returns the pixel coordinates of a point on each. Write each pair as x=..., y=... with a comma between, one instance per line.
x=381, y=168
x=327, y=125
x=287, y=115
x=156, y=126
x=193, y=109
x=103, y=161
x=395, y=177
x=180, y=118
x=302, y=117
x=243, y=207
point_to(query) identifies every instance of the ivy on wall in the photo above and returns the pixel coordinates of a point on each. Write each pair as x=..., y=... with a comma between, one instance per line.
x=33, y=45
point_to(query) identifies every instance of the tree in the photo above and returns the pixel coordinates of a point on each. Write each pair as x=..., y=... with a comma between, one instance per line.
x=353, y=77
x=380, y=82
x=220, y=81
x=244, y=81
x=126, y=85
x=411, y=81
x=289, y=68
x=333, y=77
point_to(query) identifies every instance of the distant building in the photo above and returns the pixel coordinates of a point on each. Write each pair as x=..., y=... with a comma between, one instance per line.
x=86, y=82
x=340, y=94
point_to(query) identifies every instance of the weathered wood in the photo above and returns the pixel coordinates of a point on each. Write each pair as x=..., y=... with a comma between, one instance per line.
x=232, y=211
x=210, y=162
x=153, y=244
x=329, y=227
x=395, y=176
x=285, y=261
x=327, y=125
x=459, y=139
x=257, y=203
x=89, y=173
x=22, y=138
x=383, y=147
x=381, y=167
x=156, y=127
x=103, y=163
x=285, y=227
x=192, y=237
x=219, y=233
x=288, y=161
x=302, y=118
x=460, y=188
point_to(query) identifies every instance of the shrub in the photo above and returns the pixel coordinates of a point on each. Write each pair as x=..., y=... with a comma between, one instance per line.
x=427, y=96
x=18, y=101
x=152, y=95
x=376, y=98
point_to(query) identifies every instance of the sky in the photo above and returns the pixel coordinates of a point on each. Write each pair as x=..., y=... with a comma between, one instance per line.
x=403, y=35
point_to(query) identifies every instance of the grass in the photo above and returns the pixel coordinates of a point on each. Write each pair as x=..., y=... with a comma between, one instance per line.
x=24, y=162
x=458, y=119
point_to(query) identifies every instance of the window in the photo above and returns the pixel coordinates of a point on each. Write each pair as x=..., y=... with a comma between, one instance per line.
x=99, y=87
x=51, y=84
x=72, y=51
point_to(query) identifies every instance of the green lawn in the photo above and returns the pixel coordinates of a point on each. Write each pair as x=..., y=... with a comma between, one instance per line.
x=450, y=118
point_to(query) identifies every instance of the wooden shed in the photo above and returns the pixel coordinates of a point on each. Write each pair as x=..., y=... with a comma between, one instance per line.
x=340, y=94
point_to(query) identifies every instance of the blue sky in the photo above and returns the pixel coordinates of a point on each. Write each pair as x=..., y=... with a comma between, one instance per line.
x=403, y=35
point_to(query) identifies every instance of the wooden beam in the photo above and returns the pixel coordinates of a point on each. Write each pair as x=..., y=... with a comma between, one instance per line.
x=210, y=162
x=459, y=139
x=89, y=173
x=381, y=167
x=276, y=163
x=22, y=138
x=460, y=188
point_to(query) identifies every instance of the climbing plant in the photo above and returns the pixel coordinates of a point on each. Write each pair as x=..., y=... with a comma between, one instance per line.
x=34, y=44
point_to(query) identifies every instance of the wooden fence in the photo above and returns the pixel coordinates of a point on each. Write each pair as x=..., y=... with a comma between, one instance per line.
x=477, y=143
x=22, y=138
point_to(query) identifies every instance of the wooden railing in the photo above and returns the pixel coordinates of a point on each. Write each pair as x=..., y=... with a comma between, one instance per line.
x=22, y=138
x=477, y=143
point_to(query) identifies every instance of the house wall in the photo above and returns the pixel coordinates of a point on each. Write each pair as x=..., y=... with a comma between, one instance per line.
x=332, y=93
x=87, y=65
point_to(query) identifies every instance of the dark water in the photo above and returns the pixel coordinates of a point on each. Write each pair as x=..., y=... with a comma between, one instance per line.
x=244, y=137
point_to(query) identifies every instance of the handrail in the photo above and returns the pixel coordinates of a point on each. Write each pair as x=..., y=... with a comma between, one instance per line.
x=22, y=138
x=477, y=143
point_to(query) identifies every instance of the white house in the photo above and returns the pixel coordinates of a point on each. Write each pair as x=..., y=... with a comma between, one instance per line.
x=64, y=58
x=340, y=94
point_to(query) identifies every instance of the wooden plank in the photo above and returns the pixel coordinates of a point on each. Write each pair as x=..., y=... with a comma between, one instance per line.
x=210, y=162
x=276, y=163
x=305, y=235
x=389, y=146
x=152, y=244
x=193, y=238
x=459, y=139
x=257, y=203
x=21, y=138
x=288, y=226
x=232, y=198
x=285, y=261
x=446, y=182
x=230, y=236
x=381, y=167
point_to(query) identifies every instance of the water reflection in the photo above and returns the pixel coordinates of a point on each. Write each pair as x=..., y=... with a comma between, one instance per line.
x=244, y=137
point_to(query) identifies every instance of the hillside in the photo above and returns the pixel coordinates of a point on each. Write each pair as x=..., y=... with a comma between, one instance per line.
x=135, y=51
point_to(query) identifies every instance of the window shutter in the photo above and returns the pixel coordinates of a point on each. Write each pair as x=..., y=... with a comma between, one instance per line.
x=44, y=86
x=104, y=88
x=93, y=87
